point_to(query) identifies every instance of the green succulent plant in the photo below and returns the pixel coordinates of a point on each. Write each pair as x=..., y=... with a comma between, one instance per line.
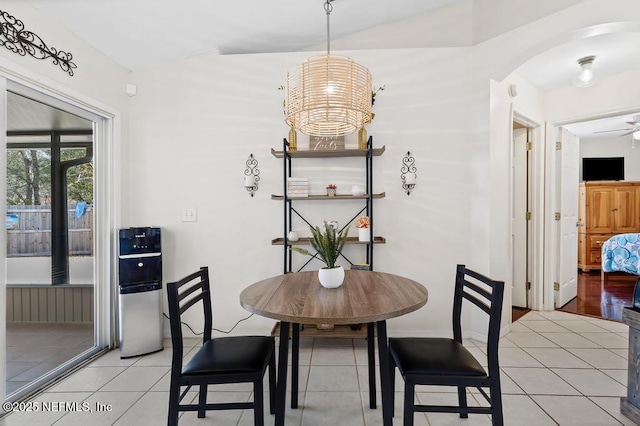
x=327, y=243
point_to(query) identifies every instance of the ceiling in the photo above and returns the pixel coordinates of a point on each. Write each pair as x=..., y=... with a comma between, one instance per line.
x=140, y=33
x=143, y=33
x=556, y=68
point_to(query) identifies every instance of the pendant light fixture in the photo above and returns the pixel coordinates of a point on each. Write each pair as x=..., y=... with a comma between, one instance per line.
x=328, y=95
x=586, y=77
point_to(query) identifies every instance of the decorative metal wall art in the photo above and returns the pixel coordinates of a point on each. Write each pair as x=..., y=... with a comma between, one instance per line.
x=251, y=175
x=15, y=38
x=408, y=173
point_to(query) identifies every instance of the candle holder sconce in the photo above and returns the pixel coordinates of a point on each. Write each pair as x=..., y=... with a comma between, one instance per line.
x=408, y=174
x=251, y=175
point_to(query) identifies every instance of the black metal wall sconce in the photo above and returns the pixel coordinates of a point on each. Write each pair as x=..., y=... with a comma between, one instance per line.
x=408, y=174
x=15, y=38
x=251, y=175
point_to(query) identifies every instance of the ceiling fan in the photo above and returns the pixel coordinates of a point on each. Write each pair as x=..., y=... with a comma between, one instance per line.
x=634, y=123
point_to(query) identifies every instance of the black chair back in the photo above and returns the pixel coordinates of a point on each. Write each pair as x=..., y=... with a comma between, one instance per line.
x=446, y=362
x=486, y=294
x=181, y=299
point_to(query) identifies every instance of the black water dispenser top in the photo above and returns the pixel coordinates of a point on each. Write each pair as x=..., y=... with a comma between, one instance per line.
x=139, y=241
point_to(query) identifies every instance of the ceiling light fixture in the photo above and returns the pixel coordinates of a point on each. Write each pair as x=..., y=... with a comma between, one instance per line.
x=328, y=95
x=586, y=77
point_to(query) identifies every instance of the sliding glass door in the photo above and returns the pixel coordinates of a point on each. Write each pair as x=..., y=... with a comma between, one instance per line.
x=52, y=320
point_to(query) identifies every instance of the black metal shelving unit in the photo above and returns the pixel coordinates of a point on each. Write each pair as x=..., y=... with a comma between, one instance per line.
x=290, y=210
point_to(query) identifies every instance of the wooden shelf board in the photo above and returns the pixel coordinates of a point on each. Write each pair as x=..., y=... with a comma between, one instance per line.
x=341, y=330
x=326, y=197
x=376, y=152
x=307, y=241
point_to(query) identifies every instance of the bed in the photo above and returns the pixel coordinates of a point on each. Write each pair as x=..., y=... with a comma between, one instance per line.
x=620, y=254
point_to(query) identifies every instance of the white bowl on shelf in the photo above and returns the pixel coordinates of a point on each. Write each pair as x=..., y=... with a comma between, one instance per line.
x=357, y=190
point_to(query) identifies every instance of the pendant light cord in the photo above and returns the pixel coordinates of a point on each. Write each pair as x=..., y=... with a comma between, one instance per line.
x=328, y=8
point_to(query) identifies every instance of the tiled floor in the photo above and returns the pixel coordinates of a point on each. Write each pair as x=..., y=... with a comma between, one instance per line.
x=558, y=368
x=35, y=348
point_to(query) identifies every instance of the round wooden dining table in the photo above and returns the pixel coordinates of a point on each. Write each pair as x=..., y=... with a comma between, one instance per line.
x=369, y=297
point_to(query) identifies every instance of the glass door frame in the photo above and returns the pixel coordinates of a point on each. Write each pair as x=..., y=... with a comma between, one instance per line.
x=107, y=216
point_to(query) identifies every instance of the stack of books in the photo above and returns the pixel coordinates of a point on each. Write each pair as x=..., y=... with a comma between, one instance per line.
x=297, y=187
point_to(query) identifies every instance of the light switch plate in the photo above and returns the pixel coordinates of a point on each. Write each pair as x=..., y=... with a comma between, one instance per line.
x=190, y=214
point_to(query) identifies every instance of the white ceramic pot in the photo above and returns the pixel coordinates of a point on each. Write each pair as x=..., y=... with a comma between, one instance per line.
x=331, y=278
x=363, y=234
x=292, y=236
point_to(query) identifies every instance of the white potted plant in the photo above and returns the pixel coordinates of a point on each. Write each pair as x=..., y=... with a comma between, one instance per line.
x=328, y=244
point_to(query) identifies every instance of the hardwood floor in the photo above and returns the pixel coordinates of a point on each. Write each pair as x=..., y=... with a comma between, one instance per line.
x=517, y=313
x=602, y=299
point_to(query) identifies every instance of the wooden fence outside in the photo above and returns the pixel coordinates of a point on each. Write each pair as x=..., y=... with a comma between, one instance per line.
x=32, y=235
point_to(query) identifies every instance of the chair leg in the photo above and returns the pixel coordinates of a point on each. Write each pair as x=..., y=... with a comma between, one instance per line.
x=496, y=403
x=409, y=408
x=371, y=363
x=174, y=394
x=462, y=401
x=392, y=382
x=281, y=386
x=272, y=383
x=258, y=405
x=295, y=363
x=202, y=401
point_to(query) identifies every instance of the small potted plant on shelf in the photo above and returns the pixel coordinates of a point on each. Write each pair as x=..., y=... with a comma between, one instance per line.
x=363, y=223
x=331, y=190
x=328, y=244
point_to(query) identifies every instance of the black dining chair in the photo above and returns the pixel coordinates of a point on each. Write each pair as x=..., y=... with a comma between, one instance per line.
x=446, y=362
x=236, y=359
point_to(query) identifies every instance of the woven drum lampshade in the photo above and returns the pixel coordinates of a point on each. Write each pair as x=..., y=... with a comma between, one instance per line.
x=328, y=95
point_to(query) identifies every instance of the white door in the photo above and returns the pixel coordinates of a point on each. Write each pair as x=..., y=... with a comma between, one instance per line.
x=518, y=218
x=567, y=206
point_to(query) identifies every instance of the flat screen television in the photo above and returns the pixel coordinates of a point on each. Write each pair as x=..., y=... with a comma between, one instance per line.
x=603, y=168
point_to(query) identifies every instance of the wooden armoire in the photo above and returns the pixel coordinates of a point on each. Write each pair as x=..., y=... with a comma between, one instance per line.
x=605, y=209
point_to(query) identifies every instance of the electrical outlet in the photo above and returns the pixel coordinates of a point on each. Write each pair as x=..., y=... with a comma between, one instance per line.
x=190, y=214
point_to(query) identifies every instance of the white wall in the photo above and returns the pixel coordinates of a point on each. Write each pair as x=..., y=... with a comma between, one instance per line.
x=611, y=96
x=196, y=121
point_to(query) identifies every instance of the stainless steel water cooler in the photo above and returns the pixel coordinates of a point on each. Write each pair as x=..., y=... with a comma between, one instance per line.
x=140, y=291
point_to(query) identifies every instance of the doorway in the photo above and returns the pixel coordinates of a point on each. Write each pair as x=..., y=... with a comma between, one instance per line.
x=604, y=135
x=521, y=217
x=527, y=166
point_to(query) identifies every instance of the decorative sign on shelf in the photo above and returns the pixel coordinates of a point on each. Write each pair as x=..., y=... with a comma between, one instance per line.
x=326, y=143
x=15, y=38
